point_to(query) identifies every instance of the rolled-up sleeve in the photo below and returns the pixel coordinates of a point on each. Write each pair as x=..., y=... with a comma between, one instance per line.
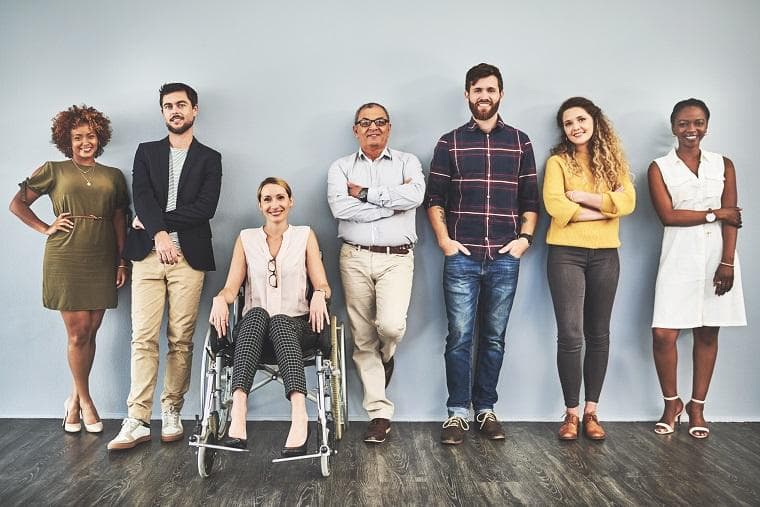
x=404, y=196
x=527, y=183
x=558, y=206
x=618, y=204
x=440, y=177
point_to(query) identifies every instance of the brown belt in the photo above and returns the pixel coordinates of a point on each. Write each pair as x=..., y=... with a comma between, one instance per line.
x=396, y=250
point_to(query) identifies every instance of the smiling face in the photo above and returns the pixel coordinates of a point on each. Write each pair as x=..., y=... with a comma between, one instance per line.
x=179, y=113
x=578, y=126
x=484, y=98
x=690, y=126
x=372, y=139
x=84, y=144
x=275, y=203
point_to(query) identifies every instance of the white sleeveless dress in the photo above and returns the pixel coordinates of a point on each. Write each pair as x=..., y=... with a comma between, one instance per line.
x=684, y=294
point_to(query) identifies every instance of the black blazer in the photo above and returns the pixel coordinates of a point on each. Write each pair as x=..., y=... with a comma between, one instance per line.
x=197, y=197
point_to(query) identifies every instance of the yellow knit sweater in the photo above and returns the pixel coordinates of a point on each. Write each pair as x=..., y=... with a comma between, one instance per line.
x=565, y=229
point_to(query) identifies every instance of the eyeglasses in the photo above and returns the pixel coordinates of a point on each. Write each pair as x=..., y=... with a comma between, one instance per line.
x=366, y=122
x=272, y=266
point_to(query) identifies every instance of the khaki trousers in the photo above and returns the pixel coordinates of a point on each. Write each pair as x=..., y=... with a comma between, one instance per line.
x=152, y=282
x=377, y=288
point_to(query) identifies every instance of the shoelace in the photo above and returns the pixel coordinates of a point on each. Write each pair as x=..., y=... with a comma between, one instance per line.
x=456, y=421
x=484, y=418
x=130, y=424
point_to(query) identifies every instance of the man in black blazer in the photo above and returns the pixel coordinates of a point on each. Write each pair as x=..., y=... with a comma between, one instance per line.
x=175, y=187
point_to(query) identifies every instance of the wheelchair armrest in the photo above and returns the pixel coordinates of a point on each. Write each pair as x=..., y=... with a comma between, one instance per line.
x=323, y=341
x=217, y=342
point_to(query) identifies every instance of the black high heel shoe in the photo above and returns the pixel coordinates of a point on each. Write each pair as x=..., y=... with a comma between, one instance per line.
x=292, y=452
x=235, y=443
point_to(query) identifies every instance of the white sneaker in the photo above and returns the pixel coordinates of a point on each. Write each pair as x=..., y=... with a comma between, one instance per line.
x=171, y=425
x=133, y=431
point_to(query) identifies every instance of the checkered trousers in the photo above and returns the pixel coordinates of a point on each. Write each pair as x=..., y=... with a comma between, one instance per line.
x=285, y=334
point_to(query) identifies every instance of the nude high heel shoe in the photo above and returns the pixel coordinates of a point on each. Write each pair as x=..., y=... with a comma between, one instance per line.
x=70, y=427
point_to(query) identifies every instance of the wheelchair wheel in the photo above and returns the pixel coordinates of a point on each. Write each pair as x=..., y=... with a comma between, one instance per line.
x=205, y=455
x=337, y=383
x=225, y=396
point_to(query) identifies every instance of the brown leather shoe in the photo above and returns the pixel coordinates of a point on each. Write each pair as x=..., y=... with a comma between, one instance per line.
x=591, y=427
x=388, y=367
x=452, y=432
x=569, y=428
x=489, y=426
x=377, y=430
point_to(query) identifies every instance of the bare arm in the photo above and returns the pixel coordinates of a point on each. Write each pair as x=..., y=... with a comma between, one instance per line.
x=318, y=314
x=21, y=207
x=119, y=222
x=437, y=217
x=724, y=274
x=663, y=205
x=219, y=317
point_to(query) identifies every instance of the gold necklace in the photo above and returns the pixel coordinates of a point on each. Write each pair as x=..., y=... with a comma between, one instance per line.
x=84, y=173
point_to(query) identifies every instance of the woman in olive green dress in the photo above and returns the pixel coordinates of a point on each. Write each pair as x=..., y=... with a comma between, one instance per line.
x=82, y=267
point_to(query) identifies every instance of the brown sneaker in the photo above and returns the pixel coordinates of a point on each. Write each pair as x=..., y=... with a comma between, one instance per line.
x=591, y=427
x=569, y=428
x=489, y=426
x=388, y=367
x=377, y=430
x=452, y=432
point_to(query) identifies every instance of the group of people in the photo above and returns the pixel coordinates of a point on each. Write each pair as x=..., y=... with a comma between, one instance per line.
x=482, y=201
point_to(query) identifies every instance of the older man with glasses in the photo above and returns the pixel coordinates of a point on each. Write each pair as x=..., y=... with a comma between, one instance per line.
x=373, y=193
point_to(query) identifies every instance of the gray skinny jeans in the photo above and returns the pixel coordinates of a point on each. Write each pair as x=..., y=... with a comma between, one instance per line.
x=583, y=282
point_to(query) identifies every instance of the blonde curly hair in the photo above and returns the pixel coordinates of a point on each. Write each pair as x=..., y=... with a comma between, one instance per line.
x=609, y=166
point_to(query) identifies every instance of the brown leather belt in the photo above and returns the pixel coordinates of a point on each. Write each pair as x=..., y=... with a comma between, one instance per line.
x=396, y=250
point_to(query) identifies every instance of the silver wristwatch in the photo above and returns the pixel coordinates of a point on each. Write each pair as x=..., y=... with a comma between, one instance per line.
x=710, y=216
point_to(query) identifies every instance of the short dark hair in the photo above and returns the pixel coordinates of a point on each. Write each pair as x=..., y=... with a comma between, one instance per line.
x=367, y=106
x=480, y=71
x=167, y=88
x=692, y=102
x=76, y=116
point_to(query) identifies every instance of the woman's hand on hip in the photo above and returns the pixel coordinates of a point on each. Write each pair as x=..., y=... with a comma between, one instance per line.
x=61, y=223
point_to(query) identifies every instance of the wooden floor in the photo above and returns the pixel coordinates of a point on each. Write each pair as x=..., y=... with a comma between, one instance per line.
x=40, y=465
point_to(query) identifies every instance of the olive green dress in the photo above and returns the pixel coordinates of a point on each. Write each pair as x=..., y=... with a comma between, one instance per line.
x=79, y=269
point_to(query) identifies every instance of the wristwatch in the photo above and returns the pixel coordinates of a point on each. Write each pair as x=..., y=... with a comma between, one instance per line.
x=710, y=216
x=527, y=236
x=362, y=195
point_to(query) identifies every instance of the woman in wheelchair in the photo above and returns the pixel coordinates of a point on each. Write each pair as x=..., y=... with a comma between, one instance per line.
x=274, y=262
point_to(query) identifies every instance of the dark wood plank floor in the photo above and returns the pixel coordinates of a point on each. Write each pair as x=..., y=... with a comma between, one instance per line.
x=39, y=465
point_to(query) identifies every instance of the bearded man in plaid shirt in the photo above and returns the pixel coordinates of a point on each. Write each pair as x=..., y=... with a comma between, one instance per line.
x=482, y=202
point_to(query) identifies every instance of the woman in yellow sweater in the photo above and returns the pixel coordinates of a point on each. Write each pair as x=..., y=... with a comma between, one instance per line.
x=587, y=188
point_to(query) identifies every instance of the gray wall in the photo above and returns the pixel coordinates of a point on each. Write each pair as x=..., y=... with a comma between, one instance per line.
x=278, y=85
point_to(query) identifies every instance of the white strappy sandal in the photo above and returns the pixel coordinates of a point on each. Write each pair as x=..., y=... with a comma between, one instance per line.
x=663, y=428
x=693, y=430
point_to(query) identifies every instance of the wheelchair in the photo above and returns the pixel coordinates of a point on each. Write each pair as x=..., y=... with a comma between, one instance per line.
x=325, y=351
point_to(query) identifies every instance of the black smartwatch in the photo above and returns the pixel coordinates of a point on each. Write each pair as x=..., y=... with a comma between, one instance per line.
x=362, y=195
x=527, y=236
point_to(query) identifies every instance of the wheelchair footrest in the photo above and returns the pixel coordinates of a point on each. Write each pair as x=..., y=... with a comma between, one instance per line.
x=305, y=456
x=219, y=447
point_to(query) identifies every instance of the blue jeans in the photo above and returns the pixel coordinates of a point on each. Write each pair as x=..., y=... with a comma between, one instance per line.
x=472, y=289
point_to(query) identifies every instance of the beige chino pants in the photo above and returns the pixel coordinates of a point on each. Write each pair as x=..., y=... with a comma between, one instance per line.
x=153, y=284
x=377, y=288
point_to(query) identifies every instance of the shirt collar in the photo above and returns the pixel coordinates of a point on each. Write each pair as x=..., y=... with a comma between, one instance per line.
x=673, y=156
x=385, y=154
x=473, y=125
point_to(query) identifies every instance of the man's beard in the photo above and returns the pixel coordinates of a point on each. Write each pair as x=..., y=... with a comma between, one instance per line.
x=181, y=130
x=483, y=116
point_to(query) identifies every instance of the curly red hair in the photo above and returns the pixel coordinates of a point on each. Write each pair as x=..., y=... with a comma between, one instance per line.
x=76, y=116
